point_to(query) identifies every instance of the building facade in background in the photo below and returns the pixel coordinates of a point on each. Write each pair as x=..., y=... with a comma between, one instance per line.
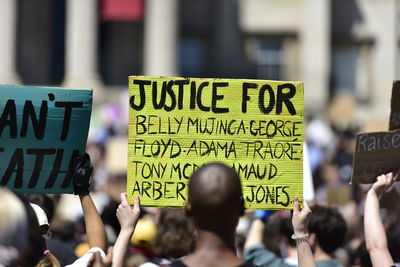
x=335, y=47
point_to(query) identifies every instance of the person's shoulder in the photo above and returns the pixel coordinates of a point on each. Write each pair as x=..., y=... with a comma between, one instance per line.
x=329, y=263
x=247, y=264
x=260, y=256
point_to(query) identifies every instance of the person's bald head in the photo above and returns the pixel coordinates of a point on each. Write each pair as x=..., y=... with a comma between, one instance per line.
x=215, y=196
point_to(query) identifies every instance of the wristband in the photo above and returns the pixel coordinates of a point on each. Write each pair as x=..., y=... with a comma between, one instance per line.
x=302, y=237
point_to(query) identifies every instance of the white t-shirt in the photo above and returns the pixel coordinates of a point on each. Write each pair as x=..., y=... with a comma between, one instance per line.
x=84, y=260
x=151, y=264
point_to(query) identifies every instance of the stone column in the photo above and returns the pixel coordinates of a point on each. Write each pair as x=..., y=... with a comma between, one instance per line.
x=160, y=38
x=81, y=45
x=315, y=52
x=384, y=57
x=228, y=42
x=8, y=30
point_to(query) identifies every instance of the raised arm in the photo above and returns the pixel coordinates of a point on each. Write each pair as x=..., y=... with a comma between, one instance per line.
x=375, y=236
x=300, y=221
x=128, y=217
x=255, y=234
x=254, y=249
x=94, y=225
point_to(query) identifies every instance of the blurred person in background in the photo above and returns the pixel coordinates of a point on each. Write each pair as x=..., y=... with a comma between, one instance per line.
x=13, y=229
x=286, y=230
x=174, y=239
x=327, y=230
x=44, y=209
x=34, y=251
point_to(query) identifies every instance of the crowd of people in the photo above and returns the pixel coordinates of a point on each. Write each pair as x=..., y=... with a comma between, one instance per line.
x=345, y=225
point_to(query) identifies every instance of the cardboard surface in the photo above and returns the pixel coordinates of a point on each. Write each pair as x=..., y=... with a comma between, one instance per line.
x=41, y=129
x=178, y=124
x=339, y=195
x=376, y=153
x=394, y=122
x=117, y=151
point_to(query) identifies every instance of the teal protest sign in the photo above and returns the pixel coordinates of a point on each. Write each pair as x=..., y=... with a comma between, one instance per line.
x=41, y=130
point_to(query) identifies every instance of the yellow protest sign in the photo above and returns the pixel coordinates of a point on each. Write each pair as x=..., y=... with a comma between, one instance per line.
x=178, y=124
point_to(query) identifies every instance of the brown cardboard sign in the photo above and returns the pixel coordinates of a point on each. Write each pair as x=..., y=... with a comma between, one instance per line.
x=338, y=195
x=394, y=122
x=375, y=153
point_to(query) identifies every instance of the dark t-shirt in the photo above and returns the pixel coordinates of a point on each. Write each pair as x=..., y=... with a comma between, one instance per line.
x=61, y=251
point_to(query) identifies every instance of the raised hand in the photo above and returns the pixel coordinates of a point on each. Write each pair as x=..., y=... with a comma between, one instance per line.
x=82, y=171
x=384, y=182
x=127, y=215
x=301, y=218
